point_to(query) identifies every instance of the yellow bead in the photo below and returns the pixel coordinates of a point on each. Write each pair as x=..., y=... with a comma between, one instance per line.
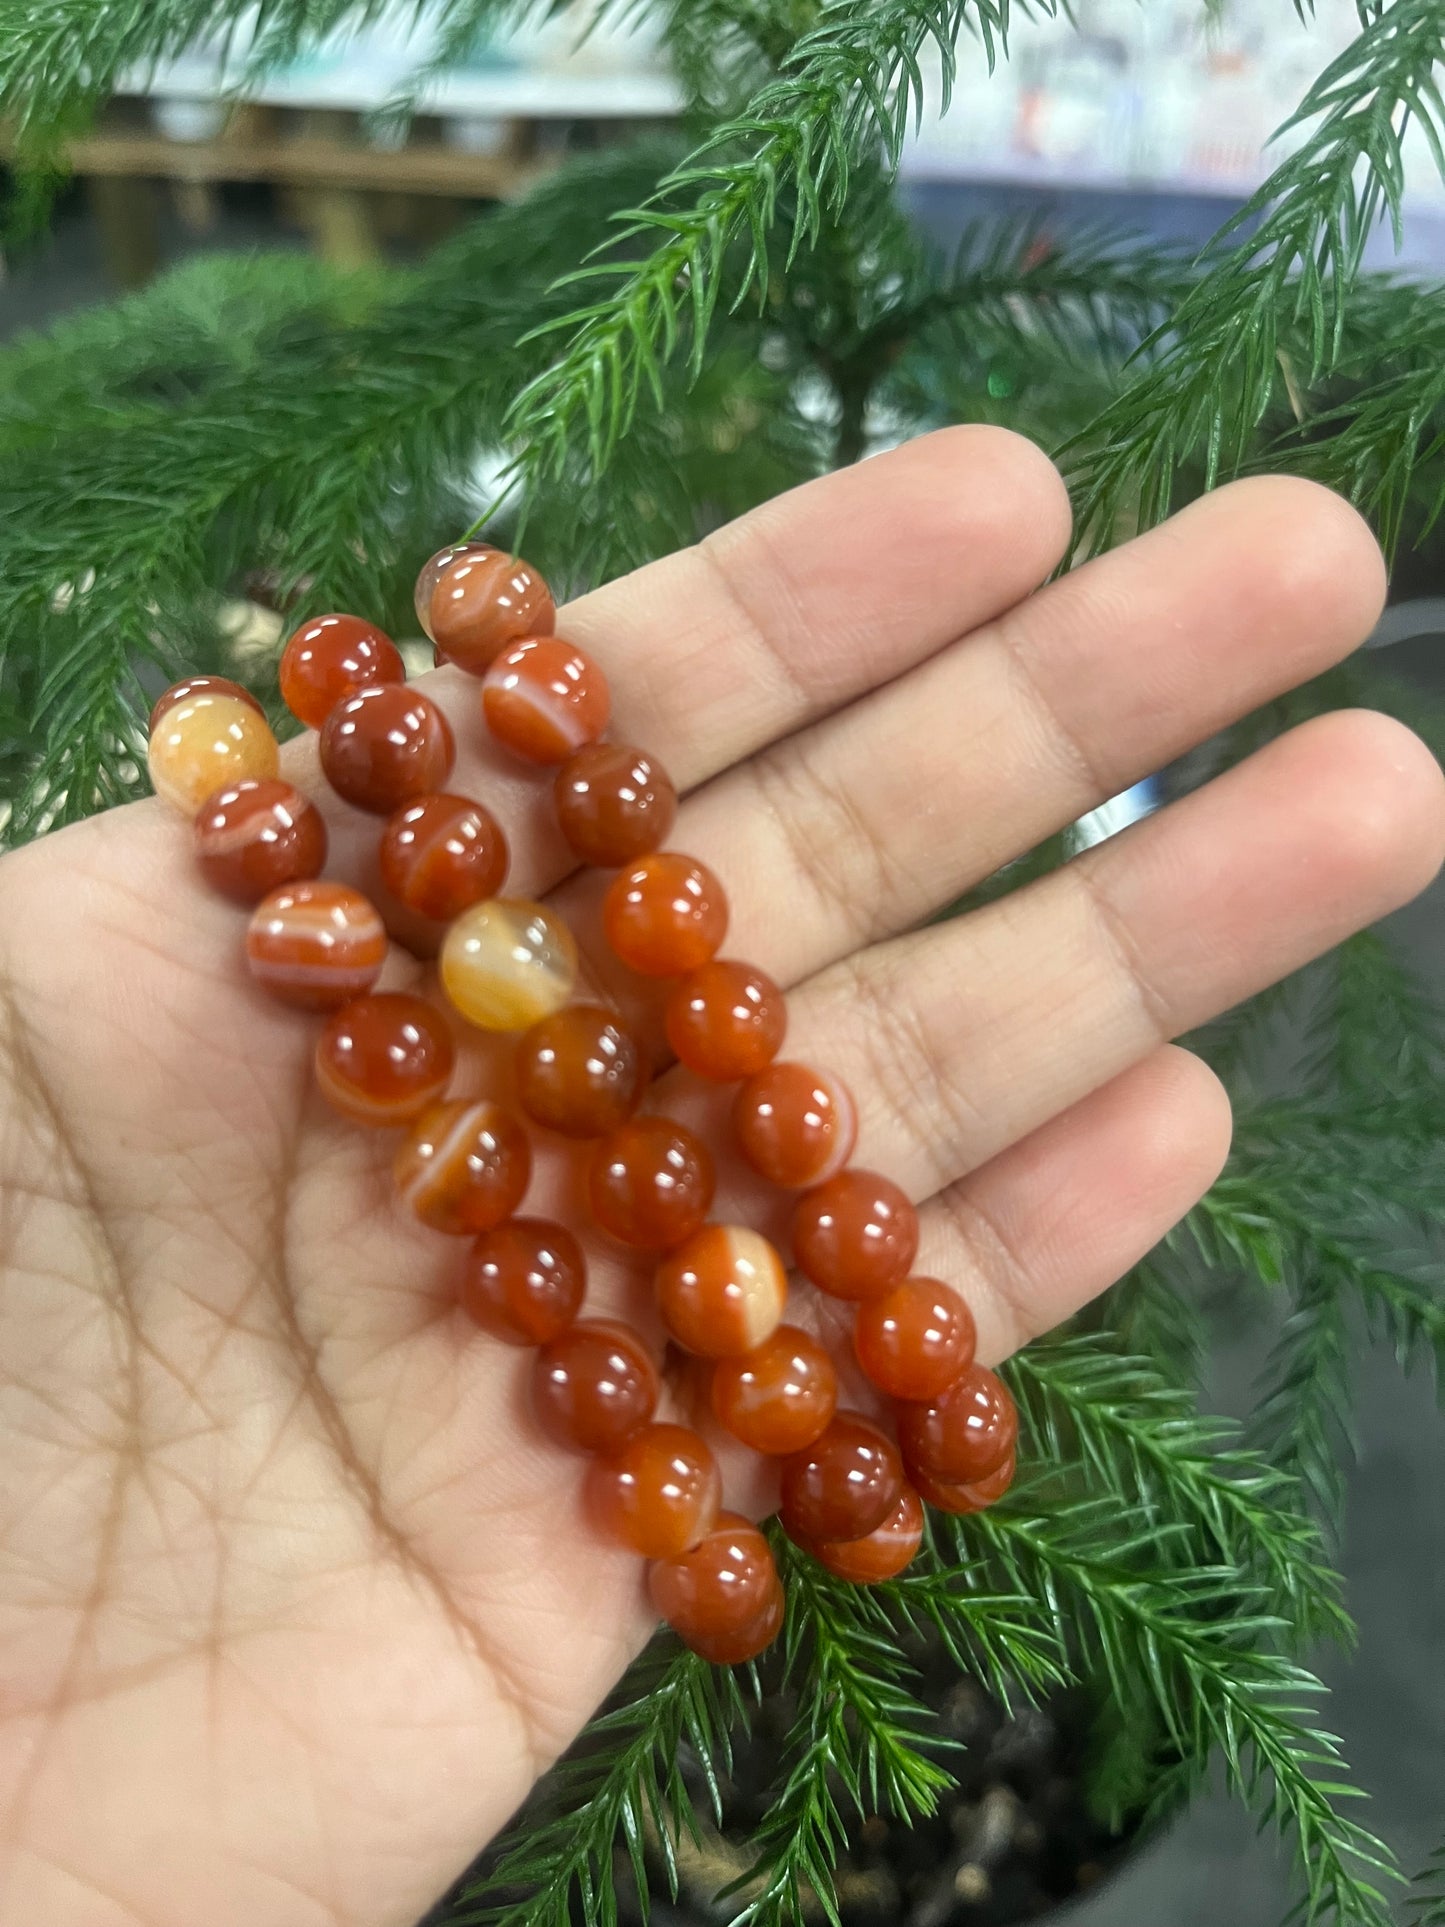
x=506, y=964
x=206, y=743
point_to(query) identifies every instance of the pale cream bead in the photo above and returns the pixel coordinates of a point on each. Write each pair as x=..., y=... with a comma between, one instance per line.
x=507, y=963
x=204, y=744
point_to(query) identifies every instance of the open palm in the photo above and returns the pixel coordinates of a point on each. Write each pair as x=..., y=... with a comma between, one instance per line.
x=294, y=1603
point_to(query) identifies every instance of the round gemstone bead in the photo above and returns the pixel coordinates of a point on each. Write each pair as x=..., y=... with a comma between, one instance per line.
x=722, y=1292
x=723, y=1598
x=524, y=1281
x=965, y=1433
x=385, y=746
x=659, y=1495
x=180, y=692
x=651, y=1183
x=441, y=854
x=977, y=1496
x=883, y=1553
x=614, y=804
x=594, y=1386
x=431, y=574
x=506, y=964
x=795, y=1125
x=856, y=1235
x=843, y=1485
x=581, y=1071
x=915, y=1340
x=206, y=743
x=464, y=1166
x=316, y=945
x=778, y=1398
x=726, y=1020
x=329, y=659
x=665, y=915
x=383, y=1059
x=253, y=837
x=543, y=699
x=482, y=601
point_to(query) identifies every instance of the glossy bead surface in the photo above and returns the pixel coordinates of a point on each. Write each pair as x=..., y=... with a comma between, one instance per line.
x=779, y=1397
x=651, y=1183
x=430, y=574
x=722, y=1292
x=883, y=1553
x=581, y=1071
x=964, y=1434
x=386, y=746
x=441, y=854
x=915, y=1340
x=726, y=1020
x=614, y=804
x=253, y=837
x=316, y=945
x=659, y=1495
x=524, y=1281
x=976, y=1496
x=843, y=1485
x=665, y=915
x=723, y=1598
x=464, y=1166
x=180, y=692
x=594, y=1386
x=207, y=743
x=795, y=1125
x=383, y=1059
x=544, y=699
x=329, y=659
x=856, y=1235
x=506, y=964
x=484, y=600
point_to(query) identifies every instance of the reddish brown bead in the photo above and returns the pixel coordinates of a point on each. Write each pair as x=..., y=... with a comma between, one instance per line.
x=856, y=1235
x=614, y=804
x=464, y=1166
x=316, y=945
x=385, y=746
x=842, y=1486
x=524, y=1281
x=726, y=1020
x=964, y=1434
x=884, y=1553
x=651, y=1183
x=778, y=1398
x=430, y=574
x=441, y=854
x=383, y=1059
x=180, y=692
x=915, y=1340
x=723, y=1598
x=722, y=1292
x=594, y=1386
x=544, y=699
x=581, y=1071
x=329, y=659
x=659, y=1495
x=253, y=837
x=483, y=601
x=665, y=915
x=795, y=1125
x=977, y=1496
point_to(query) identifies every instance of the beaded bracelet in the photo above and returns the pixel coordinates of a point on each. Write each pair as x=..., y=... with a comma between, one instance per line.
x=851, y=1496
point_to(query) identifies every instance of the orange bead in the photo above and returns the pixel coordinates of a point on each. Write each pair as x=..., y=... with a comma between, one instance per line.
x=464, y=1166
x=964, y=1434
x=383, y=1059
x=795, y=1125
x=779, y=1397
x=856, y=1235
x=659, y=1495
x=977, y=1496
x=843, y=1485
x=441, y=854
x=722, y=1292
x=885, y=1552
x=723, y=1598
x=385, y=746
x=594, y=1386
x=316, y=945
x=665, y=915
x=544, y=699
x=506, y=963
x=581, y=1071
x=726, y=1020
x=614, y=804
x=484, y=600
x=431, y=573
x=915, y=1340
x=252, y=837
x=207, y=743
x=651, y=1183
x=180, y=692
x=329, y=659
x=524, y=1281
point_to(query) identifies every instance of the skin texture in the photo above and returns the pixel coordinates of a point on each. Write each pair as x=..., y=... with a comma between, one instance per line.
x=295, y=1601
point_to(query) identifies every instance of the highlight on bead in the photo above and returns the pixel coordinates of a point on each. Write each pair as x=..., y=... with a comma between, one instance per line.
x=581, y=1072
x=842, y=1486
x=724, y=1598
x=329, y=658
x=483, y=599
x=385, y=746
x=779, y=1397
x=253, y=837
x=384, y=1058
x=915, y=1340
x=856, y=1236
x=795, y=1125
x=614, y=804
x=726, y=1020
x=594, y=1386
x=180, y=692
x=964, y=1434
x=544, y=699
x=206, y=741
x=665, y=915
x=441, y=854
x=722, y=1292
x=507, y=963
x=651, y=1183
x=430, y=574
x=464, y=1166
x=524, y=1281
x=316, y=945
x=659, y=1495
x=881, y=1554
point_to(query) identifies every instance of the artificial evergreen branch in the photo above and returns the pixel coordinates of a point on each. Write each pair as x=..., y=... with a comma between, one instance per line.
x=1303, y=1420
x=1427, y=1897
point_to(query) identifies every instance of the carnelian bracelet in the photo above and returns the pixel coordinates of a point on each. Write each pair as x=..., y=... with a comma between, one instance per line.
x=850, y=1495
